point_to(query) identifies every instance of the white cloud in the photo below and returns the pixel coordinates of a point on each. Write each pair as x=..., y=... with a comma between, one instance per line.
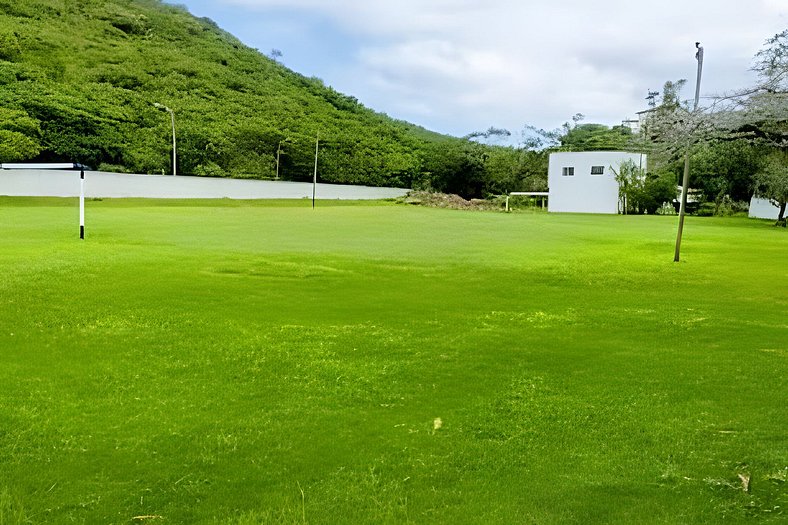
x=461, y=65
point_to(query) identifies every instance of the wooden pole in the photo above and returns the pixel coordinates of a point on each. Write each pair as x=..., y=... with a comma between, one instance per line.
x=685, y=178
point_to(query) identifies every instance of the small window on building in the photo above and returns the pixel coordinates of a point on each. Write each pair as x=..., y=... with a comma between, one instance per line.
x=568, y=171
x=597, y=170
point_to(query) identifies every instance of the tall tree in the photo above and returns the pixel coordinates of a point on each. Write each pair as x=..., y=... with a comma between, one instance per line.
x=576, y=136
x=760, y=115
x=725, y=168
x=596, y=137
x=772, y=182
x=756, y=117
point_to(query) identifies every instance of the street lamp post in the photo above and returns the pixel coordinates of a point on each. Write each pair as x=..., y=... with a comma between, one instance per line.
x=285, y=140
x=172, y=118
x=278, y=152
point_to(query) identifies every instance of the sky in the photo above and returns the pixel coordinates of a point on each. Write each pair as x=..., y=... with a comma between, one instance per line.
x=459, y=66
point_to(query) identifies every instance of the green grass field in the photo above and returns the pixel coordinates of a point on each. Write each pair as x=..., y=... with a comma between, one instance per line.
x=241, y=363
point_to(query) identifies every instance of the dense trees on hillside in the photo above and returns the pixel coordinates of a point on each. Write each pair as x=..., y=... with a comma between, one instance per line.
x=596, y=137
x=88, y=96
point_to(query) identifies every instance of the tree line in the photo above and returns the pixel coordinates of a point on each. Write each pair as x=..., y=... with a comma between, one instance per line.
x=88, y=96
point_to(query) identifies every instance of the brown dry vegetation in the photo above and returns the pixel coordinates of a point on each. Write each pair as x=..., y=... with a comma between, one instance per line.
x=451, y=201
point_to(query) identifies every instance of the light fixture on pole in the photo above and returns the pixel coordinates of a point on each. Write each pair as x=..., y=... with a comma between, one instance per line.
x=172, y=118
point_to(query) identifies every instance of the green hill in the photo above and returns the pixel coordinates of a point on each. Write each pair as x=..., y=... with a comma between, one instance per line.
x=79, y=80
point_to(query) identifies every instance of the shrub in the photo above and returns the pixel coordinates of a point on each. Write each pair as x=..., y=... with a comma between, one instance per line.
x=9, y=47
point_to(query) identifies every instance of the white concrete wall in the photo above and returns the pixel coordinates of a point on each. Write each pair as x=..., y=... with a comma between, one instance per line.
x=763, y=209
x=54, y=183
x=583, y=192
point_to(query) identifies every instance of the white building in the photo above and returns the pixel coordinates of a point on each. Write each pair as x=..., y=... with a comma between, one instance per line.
x=584, y=182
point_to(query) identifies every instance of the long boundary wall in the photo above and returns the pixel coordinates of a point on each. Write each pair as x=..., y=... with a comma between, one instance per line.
x=54, y=183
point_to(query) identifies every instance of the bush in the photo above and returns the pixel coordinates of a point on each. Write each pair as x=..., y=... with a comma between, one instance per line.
x=657, y=189
x=15, y=146
x=112, y=168
x=523, y=201
x=666, y=209
x=209, y=169
x=727, y=207
x=9, y=47
x=644, y=192
x=706, y=209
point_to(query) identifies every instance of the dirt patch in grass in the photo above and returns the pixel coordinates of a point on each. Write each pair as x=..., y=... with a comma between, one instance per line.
x=451, y=201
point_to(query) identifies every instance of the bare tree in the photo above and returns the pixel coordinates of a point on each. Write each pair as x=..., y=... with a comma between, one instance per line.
x=758, y=114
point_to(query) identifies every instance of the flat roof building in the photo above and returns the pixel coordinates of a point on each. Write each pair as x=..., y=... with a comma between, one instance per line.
x=584, y=182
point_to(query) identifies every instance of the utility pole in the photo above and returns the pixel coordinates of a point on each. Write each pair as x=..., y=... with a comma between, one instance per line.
x=314, y=180
x=652, y=98
x=685, y=179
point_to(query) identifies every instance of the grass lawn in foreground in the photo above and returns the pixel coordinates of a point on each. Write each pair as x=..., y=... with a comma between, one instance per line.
x=209, y=362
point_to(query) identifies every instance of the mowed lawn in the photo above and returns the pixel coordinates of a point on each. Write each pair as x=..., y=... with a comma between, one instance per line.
x=242, y=363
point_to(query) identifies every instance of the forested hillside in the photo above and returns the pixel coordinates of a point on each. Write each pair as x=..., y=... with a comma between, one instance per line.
x=79, y=80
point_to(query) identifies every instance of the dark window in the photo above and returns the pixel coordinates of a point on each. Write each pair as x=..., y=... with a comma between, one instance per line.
x=597, y=170
x=568, y=172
